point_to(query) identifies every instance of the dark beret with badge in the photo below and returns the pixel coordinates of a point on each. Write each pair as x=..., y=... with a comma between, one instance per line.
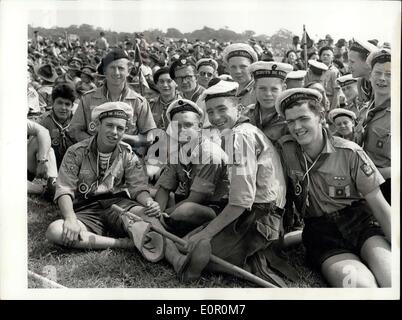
x=113, y=55
x=181, y=62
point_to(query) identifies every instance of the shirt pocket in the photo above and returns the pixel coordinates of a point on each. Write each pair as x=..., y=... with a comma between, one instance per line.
x=337, y=186
x=382, y=140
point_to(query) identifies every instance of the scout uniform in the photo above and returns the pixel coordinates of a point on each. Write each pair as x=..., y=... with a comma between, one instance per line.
x=94, y=184
x=329, y=191
x=202, y=169
x=339, y=112
x=59, y=135
x=256, y=184
x=142, y=120
x=295, y=79
x=267, y=121
x=330, y=84
x=377, y=127
x=365, y=91
x=246, y=95
x=180, y=63
x=316, y=73
x=206, y=62
x=344, y=81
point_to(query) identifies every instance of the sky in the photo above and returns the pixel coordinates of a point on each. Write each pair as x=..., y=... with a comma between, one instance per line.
x=341, y=19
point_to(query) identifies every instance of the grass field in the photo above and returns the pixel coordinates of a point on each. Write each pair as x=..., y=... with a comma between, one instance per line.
x=121, y=268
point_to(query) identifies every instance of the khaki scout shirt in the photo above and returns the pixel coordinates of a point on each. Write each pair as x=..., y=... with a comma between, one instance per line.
x=343, y=174
x=141, y=122
x=377, y=141
x=158, y=108
x=274, y=126
x=247, y=95
x=59, y=135
x=79, y=178
x=203, y=172
x=255, y=169
x=196, y=94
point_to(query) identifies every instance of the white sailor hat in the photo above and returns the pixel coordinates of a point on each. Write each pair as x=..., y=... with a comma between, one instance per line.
x=289, y=97
x=296, y=75
x=206, y=62
x=346, y=80
x=318, y=65
x=116, y=109
x=361, y=46
x=269, y=69
x=239, y=50
x=181, y=105
x=379, y=56
x=219, y=88
x=338, y=112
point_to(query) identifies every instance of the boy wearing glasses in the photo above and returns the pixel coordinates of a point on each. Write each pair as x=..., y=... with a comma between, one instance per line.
x=183, y=71
x=207, y=69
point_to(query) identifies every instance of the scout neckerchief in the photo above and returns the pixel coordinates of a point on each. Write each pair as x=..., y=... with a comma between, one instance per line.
x=366, y=89
x=195, y=93
x=165, y=105
x=373, y=110
x=62, y=130
x=122, y=94
x=315, y=165
x=261, y=123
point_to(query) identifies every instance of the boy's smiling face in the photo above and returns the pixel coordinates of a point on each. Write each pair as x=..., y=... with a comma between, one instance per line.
x=223, y=112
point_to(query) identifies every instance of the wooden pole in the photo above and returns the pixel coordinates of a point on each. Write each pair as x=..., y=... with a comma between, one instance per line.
x=239, y=271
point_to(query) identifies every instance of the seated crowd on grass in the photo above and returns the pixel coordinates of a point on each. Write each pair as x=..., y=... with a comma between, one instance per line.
x=216, y=143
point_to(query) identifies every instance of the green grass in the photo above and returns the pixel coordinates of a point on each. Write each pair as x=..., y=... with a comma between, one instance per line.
x=122, y=268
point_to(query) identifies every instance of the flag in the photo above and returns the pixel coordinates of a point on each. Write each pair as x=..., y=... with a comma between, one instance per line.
x=305, y=38
x=138, y=61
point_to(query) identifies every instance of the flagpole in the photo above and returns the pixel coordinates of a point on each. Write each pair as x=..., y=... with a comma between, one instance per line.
x=305, y=46
x=137, y=53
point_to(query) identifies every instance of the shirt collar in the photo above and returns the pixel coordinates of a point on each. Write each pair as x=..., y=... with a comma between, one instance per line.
x=246, y=89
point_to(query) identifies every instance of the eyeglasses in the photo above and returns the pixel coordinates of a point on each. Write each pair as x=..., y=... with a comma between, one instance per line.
x=187, y=78
x=206, y=74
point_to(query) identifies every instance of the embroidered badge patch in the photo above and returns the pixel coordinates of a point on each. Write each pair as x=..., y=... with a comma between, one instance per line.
x=92, y=126
x=367, y=169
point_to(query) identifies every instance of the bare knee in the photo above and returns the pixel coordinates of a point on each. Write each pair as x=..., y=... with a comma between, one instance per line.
x=193, y=209
x=54, y=231
x=347, y=271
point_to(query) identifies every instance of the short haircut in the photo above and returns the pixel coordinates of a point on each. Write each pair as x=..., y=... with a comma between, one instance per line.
x=325, y=49
x=64, y=90
x=159, y=72
x=102, y=33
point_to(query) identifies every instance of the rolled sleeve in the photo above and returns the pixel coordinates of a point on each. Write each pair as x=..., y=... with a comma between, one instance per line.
x=366, y=174
x=145, y=121
x=67, y=179
x=168, y=179
x=243, y=174
x=136, y=179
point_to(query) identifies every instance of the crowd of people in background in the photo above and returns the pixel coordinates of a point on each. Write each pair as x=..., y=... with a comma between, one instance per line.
x=85, y=96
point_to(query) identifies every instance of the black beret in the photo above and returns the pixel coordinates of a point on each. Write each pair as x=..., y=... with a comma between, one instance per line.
x=159, y=72
x=181, y=62
x=113, y=55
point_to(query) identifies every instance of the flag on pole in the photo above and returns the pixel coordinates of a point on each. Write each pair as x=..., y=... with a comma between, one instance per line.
x=138, y=63
x=305, y=40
